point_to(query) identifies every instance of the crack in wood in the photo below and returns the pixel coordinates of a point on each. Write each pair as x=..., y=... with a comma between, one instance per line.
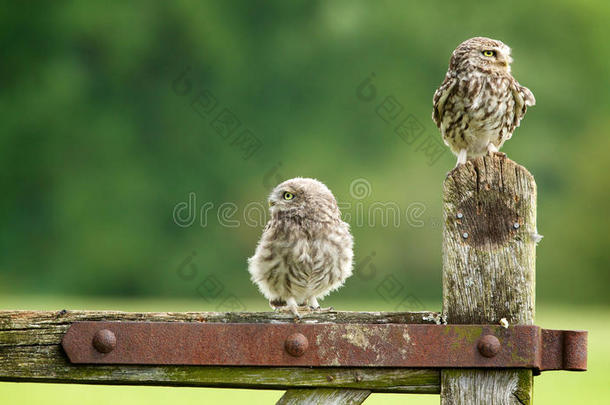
x=488, y=275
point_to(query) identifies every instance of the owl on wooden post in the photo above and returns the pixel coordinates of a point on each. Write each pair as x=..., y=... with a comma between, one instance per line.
x=479, y=104
x=305, y=251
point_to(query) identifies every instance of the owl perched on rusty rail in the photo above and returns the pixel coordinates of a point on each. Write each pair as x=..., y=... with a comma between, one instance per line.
x=479, y=104
x=306, y=249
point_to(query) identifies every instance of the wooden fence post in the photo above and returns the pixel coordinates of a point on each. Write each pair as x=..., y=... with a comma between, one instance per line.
x=489, y=251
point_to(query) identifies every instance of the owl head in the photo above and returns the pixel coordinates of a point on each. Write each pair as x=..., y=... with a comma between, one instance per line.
x=484, y=54
x=303, y=198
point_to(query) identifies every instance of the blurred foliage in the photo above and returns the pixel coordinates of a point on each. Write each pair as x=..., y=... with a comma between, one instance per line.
x=98, y=145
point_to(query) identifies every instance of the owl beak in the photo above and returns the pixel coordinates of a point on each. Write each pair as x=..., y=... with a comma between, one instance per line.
x=271, y=203
x=506, y=61
x=503, y=62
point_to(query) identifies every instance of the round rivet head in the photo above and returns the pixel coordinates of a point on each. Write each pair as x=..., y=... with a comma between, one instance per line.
x=465, y=235
x=296, y=344
x=489, y=346
x=460, y=215
x=104, y=341
x=516, y=225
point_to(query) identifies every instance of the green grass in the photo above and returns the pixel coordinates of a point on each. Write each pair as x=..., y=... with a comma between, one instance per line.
x=552, y=387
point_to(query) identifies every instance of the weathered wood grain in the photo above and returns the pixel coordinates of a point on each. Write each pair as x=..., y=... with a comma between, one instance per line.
x=323, y=396
x=489, y=244
x=486, y=387
x=30, y=351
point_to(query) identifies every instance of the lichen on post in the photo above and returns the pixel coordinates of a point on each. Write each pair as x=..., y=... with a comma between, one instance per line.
x=489, y=253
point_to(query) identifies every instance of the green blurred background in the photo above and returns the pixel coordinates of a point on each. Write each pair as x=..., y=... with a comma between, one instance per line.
x=118, y=184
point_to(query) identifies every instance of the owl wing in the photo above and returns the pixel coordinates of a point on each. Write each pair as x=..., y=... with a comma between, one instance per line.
x=523, y=98
x=440, y=97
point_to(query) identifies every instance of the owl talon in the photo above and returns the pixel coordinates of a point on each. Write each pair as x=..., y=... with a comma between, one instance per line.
x=324, y=310
x=289, y=310
x=291, y=305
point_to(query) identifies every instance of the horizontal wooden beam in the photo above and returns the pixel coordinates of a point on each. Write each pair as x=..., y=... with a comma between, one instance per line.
x=30, y=351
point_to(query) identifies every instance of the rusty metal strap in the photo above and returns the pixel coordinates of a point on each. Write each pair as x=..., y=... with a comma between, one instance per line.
x=343, y=345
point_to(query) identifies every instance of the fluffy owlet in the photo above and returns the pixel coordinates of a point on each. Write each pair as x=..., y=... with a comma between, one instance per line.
x=480, y=103
x=306, y=249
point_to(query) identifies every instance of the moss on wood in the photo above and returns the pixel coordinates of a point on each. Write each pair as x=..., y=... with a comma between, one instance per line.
x=30, y=351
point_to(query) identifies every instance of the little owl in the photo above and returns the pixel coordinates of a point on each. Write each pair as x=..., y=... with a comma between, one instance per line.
x=306, y=249
x=480, y=103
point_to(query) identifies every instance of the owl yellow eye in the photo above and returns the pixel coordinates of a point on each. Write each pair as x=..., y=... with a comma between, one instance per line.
x=489, y=53
x=288, y=196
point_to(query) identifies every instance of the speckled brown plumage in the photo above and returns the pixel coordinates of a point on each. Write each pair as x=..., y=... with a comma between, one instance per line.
x=479, y=104
x=305, y=251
